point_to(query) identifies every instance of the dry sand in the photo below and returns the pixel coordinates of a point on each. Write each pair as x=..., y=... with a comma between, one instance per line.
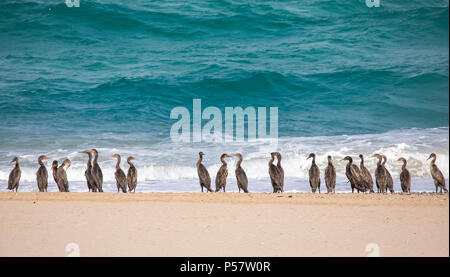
x=223, y=224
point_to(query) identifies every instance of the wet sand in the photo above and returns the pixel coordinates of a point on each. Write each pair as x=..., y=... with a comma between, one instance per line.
x=223, y=224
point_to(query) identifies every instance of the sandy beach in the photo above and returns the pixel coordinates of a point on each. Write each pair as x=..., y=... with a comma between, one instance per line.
x=223, y=224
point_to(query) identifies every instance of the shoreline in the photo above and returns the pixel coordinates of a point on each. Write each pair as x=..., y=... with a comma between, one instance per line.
x=223, y=224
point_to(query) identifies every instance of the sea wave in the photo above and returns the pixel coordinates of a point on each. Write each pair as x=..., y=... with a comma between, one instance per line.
x=170, y=161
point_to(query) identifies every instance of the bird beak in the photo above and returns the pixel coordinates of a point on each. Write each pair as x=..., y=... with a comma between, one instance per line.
x=46, y=158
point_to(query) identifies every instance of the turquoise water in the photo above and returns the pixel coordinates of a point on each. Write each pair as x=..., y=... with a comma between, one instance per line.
x=107, y=75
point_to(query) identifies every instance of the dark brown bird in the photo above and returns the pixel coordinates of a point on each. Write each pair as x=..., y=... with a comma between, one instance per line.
x=405, y=177
x=366, y=178
x=330, y=176
x=54, y=170
x=439, y=180
x=203, y=174
x=222, y=174
x=42, y=175
x=241, y=177
x=14, y=175
x=380, y=174
x=314, y=174
x=281, y=170
x=131, y=175
x=97, y=171
x=275, y=175
x=88, y=172
x=61, y=176
x=121, y=179
x=389, y=180
x=353, y=175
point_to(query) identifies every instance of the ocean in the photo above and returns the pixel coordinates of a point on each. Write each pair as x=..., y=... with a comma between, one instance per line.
x=346, y=79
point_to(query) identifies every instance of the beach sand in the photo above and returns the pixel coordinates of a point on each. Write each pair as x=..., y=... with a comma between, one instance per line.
x=223, y=224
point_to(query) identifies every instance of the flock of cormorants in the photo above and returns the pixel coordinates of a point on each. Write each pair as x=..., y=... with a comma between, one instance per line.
x=359, y=177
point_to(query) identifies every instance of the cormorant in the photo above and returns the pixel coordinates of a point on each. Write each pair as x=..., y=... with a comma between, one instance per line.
x=222, y=174
x=121, y=179
x=366, y=178
x=314, y=174
x=14, y=176
x=353, y=175
x=438, y=178
x=380, y=175
x=203, y=174
x=88, y=172
x=281, y=170
x=61, y=176
x=330, y=176
x=131, y=175
x=97, y=172
x=241, y=177
x=275, y=175
x=405, y=177
x=54, y=170
x=389, y=180
x=42, y=175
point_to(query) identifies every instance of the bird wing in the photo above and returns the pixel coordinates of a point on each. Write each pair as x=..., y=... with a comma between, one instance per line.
x=221, y=176
x=203, y=172
x=330, y=176
x=14, y=177
x=241, y=177
x=121, y=179
x=437, y=175
x=275, y=176
x=132, y=177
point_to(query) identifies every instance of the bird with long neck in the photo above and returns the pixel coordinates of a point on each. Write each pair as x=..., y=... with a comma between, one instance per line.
x=389, y=180
x=222, y=174
x=405, y=177
x=330, y=175
x=88, y=172
x=280, y=168
x=366, y=177
x=275, y=174
x=42, y=174
x=61, y=176
x=97, y=171
x=203, y=174
x=314, y=174
x=131, y=175
x=438, y=177
x=121, y=179
x=380, y=175
x=241, y=177
x=353, y=175
x=14, y=175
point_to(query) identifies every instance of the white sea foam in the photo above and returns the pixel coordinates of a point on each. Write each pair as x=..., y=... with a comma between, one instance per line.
x=175, y=163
